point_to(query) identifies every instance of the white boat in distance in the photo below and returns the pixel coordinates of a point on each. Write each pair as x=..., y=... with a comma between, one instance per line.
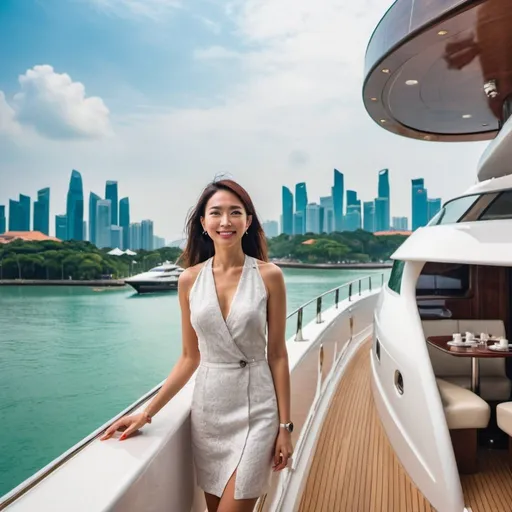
x=164, y=277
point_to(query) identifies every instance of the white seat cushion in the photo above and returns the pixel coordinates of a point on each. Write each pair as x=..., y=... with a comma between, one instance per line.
x=462, y=408
x=491, y=387
x=504, y=417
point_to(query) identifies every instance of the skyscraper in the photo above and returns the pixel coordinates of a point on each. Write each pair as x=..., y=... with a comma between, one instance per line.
x=381, y=208
x=384, y=193
x=301, y=201
x=61, y=227
x=419, y=203
x=369, y=216
x=314, y=218
x=42, y=211
x=353, y=217
x=433, y=206
x=3, y=221
x=400, y=223
x=338, y=192
x=103, y=219
x=112, y=194
x=93, y=201
x=116, y=236
x=287, y=204
x=75, y=207
x=299, y=223
x=147, y=235
x=135, y=236
x=24, y=213
x=271, y=228
x=124, y=221
x=326, y=203
x=15, y=221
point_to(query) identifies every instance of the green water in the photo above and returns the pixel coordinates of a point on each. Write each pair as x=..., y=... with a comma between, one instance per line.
x=71, y=358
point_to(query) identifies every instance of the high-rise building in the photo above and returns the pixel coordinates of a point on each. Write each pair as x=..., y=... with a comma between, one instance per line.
x=314, y=218
x=384, y=193
x=93, y=201
x=116, y=237
x=287, y=204
x=3, y=219
x=301, y=201
x=353, y=216
x=135, y=236
x=124, y=221
x=112, y=194
x=327, y=204
x=298, y=223
x=400, y=223
x=15, y=221
x=84, y=231
x=75, y=207
x=338, y=193
x=369, y=216
x=25, y=212
x=61, y=227
x=271, y=228
x=433, y=206
x=147, y=235
x=419, y=203
x=103, y=218
x=381, y=209
x=158, y=242
x=42, y=211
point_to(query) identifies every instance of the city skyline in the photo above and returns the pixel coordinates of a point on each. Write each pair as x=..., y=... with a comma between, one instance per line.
x=164, y=96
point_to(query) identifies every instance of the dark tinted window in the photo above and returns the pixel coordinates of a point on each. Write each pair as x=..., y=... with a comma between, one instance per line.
x=443, y=280
x=395, y=279
x=500, y=208
x=452, y=212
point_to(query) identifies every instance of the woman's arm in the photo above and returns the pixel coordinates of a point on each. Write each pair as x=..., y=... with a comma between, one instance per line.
x=180, y=374
x=189, y=359
x=278, y=359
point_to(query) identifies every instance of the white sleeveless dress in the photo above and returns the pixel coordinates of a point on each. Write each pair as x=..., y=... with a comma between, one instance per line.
x=234, y=409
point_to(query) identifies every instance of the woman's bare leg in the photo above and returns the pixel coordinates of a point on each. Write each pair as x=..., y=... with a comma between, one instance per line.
x=212, y=502
x=228, y=502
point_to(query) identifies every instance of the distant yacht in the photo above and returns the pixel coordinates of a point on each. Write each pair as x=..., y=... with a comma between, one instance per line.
x=161, y=278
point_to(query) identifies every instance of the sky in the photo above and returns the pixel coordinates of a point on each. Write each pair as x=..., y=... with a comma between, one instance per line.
x=166, y=95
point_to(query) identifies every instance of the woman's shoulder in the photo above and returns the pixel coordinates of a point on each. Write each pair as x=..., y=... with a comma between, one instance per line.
x=269, y=270
x=189, y=275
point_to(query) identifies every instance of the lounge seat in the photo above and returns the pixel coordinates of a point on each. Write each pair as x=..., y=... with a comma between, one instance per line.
x=465, y=412
x=494, y=383
x=504, y=419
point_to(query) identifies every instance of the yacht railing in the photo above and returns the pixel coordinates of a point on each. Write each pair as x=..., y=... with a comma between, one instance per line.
x=351, y=289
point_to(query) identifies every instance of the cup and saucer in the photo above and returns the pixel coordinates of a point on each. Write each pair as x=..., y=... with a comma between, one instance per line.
x=501, y=345
x=467, y=341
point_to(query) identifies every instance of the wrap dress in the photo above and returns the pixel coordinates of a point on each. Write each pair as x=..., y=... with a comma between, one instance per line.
x=234, y=417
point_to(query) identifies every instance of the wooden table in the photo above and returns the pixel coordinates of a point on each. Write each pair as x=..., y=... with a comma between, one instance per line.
x=475, y=352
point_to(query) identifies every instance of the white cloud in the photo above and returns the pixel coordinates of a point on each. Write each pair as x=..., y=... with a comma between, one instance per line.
x=57, y=107
x=153, y=9
x=8, y=124
x=210, y=25
x=215, y=53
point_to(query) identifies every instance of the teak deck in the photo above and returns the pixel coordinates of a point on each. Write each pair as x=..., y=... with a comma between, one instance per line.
x=354, y=467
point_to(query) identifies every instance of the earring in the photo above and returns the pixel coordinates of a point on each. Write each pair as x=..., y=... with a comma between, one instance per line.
x=247, y=232
x=204, y=232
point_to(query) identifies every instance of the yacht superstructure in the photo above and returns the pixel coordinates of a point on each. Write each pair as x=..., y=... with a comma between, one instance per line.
x=161, y=278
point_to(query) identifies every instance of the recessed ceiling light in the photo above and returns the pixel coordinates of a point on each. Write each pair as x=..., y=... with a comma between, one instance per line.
x=385, y=70
x=411, y=82
x=373, y=99
x=442, y=32
x=382, y=120
x=466, y=116
x=485, y=124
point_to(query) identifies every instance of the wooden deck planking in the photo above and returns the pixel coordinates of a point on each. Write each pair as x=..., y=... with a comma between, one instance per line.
x=354, y=467
x=491, y=488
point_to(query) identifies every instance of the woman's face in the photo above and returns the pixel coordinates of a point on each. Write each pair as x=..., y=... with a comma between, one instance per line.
x=225, y=219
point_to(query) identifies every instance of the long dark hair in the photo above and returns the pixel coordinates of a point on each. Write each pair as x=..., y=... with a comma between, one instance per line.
x=200, y=247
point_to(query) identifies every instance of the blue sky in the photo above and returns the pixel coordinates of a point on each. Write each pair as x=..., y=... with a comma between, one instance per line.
x=162, y=95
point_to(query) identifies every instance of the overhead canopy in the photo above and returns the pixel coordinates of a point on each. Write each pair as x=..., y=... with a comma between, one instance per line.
x=477, y=243
x=429, y=64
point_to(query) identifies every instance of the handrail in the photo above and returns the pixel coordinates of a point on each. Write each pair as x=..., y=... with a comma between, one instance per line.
x=32, y=481
x=300, y=310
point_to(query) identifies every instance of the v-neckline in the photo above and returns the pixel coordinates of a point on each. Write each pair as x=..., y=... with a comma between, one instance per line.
x=225, y=320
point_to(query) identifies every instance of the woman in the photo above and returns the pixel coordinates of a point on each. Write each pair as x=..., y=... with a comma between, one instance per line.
x=230, y=297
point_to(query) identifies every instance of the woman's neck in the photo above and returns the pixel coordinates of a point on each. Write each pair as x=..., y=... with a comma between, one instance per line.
x=229, y=257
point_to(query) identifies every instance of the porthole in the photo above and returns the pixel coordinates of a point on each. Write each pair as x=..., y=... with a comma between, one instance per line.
x=377, y=348
x=399, y=382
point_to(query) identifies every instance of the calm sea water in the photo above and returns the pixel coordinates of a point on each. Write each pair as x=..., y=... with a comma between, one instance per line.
x=71, y=358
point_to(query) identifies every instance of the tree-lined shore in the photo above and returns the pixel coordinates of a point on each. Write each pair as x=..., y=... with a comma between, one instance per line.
x=82, y=261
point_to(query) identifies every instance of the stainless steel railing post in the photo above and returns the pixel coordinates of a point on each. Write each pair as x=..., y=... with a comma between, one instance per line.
x=298, y=333
x=319, y=310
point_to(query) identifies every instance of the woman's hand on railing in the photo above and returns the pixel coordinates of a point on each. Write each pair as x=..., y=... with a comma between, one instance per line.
x=130, y=423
